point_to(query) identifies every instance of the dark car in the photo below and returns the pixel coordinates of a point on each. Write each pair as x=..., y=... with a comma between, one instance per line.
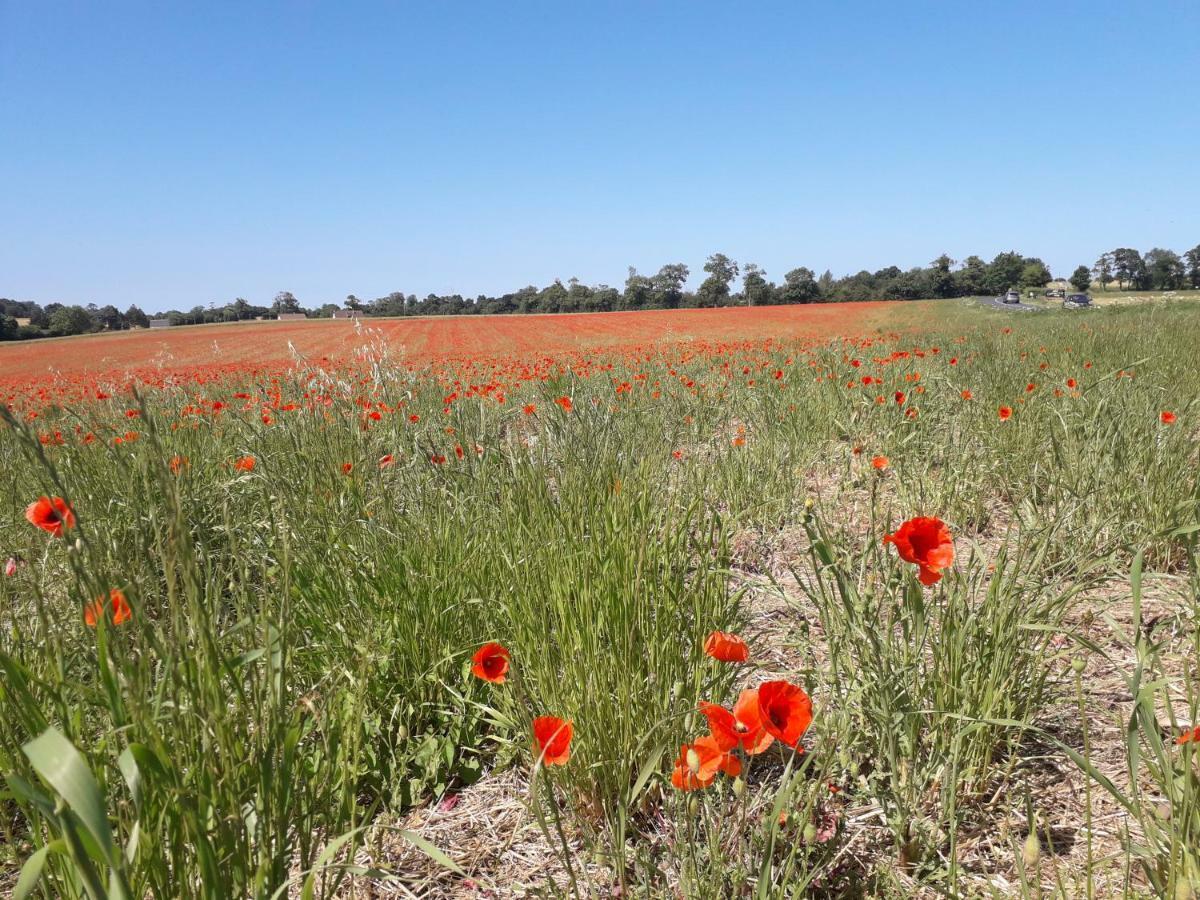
x=1077, y=301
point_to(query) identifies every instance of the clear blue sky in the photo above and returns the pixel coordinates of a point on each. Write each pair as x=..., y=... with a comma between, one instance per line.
x=173, y=154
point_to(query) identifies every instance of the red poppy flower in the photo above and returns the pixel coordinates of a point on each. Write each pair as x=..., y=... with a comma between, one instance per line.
x=386, y=460
x=741, y=728
x=117, y=603
x=51, y=514
x=879, y=462
x=529, y=409
x=1189, y=737
x=553, y=738
x=967, y=395
x=178, y=464
x=699, y=764
x=925, y=541
x=347, y=468
x=1167, y=417
x=490, y=662
x=1005, y=413
x=900, y=398
x=245, y=464
x=786, y=711
x=725, y=647
x=1071, y=382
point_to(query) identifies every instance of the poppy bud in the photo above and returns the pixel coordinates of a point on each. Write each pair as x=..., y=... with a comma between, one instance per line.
x=810, y=833
x=693, y=806
x=1078, y=664
x=739, y=787
x=693, y=761
x=1031, y=852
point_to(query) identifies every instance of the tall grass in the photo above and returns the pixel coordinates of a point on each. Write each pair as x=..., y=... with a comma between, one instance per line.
x=298, y=659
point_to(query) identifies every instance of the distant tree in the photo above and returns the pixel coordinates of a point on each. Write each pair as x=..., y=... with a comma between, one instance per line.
x=1034, y=274
x=1165, y=270
x=971, y=279
x=285, y=302
x=551, y=298
x=136, y=318
x=110, y=318
x=71, y=320
x=579, y=296
x=639, y=291
x=668, y=284
x=799, y=286
x=1103, y=270
x=755, y=287
x=714, y=290
x=352, y=302
x=1193, y=263
x=1081, y=279
x=940, y=278
x=1129, y=268
x=8, y=328
x=825, y=284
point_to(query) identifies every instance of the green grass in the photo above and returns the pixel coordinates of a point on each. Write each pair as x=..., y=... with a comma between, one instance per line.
x=297, y=666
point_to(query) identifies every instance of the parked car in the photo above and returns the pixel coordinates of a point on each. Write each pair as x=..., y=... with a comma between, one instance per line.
x=1012, y=297
x=1055, y=293
x=1077, y=301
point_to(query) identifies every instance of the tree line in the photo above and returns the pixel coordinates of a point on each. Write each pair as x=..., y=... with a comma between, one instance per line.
x=1157, y=269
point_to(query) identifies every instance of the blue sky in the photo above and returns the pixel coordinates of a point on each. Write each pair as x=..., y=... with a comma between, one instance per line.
x=175, y=154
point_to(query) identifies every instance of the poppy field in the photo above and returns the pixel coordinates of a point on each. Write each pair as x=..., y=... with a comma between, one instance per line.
x=843, y=600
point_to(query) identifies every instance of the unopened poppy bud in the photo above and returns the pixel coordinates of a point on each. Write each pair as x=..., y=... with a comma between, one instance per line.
x=1078, y=664
x=78, y=543
x=739, y=787
x=677, y=689
x=693, y=761
x=693, y=806
x=808, y=503
x=810, y=833
x=1031, y=852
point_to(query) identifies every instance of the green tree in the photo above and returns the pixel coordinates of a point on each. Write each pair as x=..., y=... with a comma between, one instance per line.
x=972, y=279
x=1081, y=279
x=8, y=328
x=1165, y=269
x=1035, y=274
x=714, y=290
x=1004, y=272
x=755, y=287
x=71, y=320
x=668, y=285
x=1129, y=268
x=136, y=318
x=1193, y=263
x=639, y=291
x=799, y=286
x=1103, y=270
x=285, y=302
x=940, y=278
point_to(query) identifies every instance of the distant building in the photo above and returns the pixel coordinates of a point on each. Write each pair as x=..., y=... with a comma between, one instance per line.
x=160, y=323
x=292, y=317
x=346, y=314
x=22, y=322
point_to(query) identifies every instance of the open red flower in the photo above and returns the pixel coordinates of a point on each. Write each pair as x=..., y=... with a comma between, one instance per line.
x=1005, y=413
x=490, y=662
x=741, y=728
x=51, y=514
x=553, y=738
x=925, y=541
x=347, y=468
x=726, y=647
x=565, y=403
x=699, y=764
x=1167, y=417
x=245, y=464
x=118, y=607
x=1192, y=736
x=879, y=462
x=786, y=711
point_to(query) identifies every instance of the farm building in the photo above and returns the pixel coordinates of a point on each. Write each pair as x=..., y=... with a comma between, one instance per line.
x=21, y=321
x=345, y=314
x=160, y=323
x=292, y=317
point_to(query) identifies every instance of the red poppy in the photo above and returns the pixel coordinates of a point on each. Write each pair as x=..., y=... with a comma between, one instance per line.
x=741, y=728
x=1071, y=382
x=490, y=662
x=1189, y=737
x=565, y=403
x=529, y=409
x=51, y=514
x=1167, y=417
x=879, y=462
x=118, y=604
x=178, y=464
x=1005, y=413
x=900, y=398
x=786, y=711
x=725, y=647
x=245, y=464
x=347, y=468
x=925, y=541
x=967, y=395
x=553, y=738
x=699, y=764
x=386, y=460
